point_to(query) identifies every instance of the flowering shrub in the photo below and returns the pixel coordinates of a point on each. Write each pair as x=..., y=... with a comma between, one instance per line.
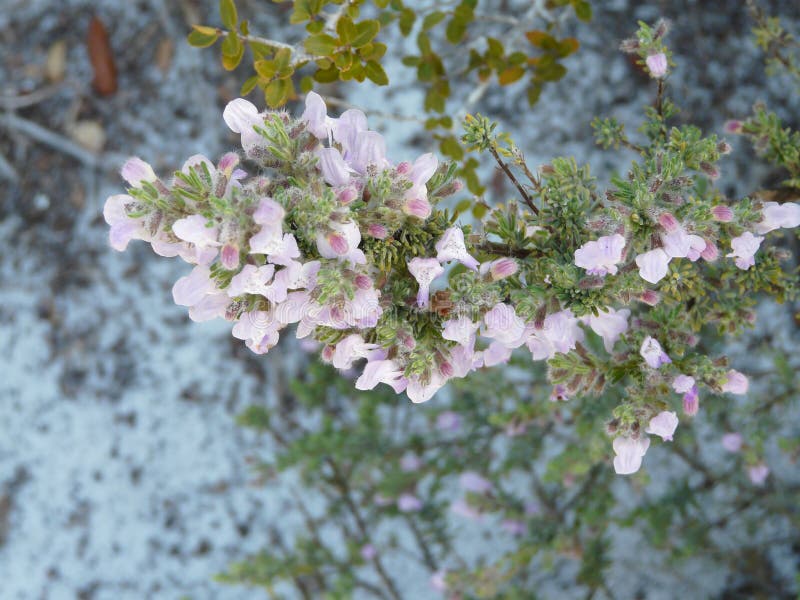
x=610, y=288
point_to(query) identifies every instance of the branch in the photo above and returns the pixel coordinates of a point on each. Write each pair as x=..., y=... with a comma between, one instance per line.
x=525, y=196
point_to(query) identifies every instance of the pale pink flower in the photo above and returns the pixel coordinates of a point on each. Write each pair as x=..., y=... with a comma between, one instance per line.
x=460, y=330
x=629, y=454
x=342, y=242
x=439, y=581
x=775, y=216
x=316, y=118
x=609, y=324
x=652, y=353
x=683, y=383
x=732, y=442
x=710, y=252
x=560, y=333
x=462, y=508
x=136, y=172
x=193, y=229
x=735, y=383
x=192, y=288
x=409, y=503
x=668, y=222
x=744, y=249
x=347, y=128
x=269, y=213
x=123, y=228
x=448, y=421
x=250, y=280
x=500, y=268
x=229, y=256
x=496, y=354
x=473, y=482
x=504, y=326
x=663, y=425
x=419, y=391
x=350, y=349
x=680, y=244
x=424, y=270
x=410, y=463
x=657, y=65
x=334, y=170
x=212, y=306
x=418, y=207
x=601, y=256
x=370, y=149
x=451, y=247
x=241, y=116
x=378, y=371
x=653, y=265
x=559, y=393
x=377, y=231
x=258, y=329
x=691, y=402
x=758, y=474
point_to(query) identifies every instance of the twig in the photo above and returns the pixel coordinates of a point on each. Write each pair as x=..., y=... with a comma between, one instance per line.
x=15, y=102
x=660, y=99
x=7, y=170
x=49, y=138
x=525, y=196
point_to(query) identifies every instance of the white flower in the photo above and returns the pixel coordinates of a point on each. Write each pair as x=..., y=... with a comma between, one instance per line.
x=601, y=256
x=653, y=265
x=451, y=247
x=629, y=453
x=664, y=425
x=744, y=249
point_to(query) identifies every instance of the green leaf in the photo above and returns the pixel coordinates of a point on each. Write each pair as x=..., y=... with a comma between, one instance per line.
x=510, y=75
x=346, y=30
x=265, y=68
x=450, y=147
x=583, y=10
x=232, y=51
x=456, y=29
x=315, y=27
x=406, y=21
x=227, y=12
x=249, y=85
x=306, y=84
x=432, y=19
x=365, y=33
x=328, y=75
x=277, y=92
x=320, y=45
x=375, y=73
x=202, y=37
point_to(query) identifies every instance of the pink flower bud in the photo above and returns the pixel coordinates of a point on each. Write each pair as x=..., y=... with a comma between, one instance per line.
x=327, y=353
x=668, y=222
x=446, y=369
x=650, y=297
x=347, y=195
x=722, y=213
x=724, y=148
x=377, y=231
x=338, y=243
x=418, y=207
x=404, y=168
x=733, y=126
x=363, y=282
x=657, y=65
x=228, y=162
x=710, y=252
x=709, y=170
x=230, y=256
x=502, y=268
x=691, y=402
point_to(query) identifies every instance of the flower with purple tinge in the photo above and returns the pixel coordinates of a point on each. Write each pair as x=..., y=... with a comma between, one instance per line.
x=502, y=324
x=758, y=474
x=657, y=65
x=496, y=354
x=424, y=270
x=370, y=149
x=213, y=306
x=347, y=128
x=377, y=231
x=710, y=252
x=229, y=256
x=448, y=421
x=316, y=118
x=421, y=391
x=559, y=393
x=653, y=354
x=609, y=324
x=350, y=349
x=722, y=213
x=123, y=228
x=735, y=383
x=381, y=500
x=240, y=116
x=250, y=280
x=334, y=170
x=514, y=526
x=342, y=242
x=560, y=333
x=462, y=508
x=439, y=581
x=368, y=552
x=650, y=297
x=473, y=482
x=683, y=383
x=653, y=265
x=136, y=172
x=193, y=229
x=744, y=249
x=691, y=402
x=409, y=503
x=775, y=216
x=668, y=222
x=663, y=425
x=259, y=330
x=418, y=207
x=192, y=288
x=410, y=463
x=732, y=442
x=601, y=256
x=680, y=244
x=269, y=212
x=378, y=371
x=460, y=330
x=451, y=247
x=629, y=454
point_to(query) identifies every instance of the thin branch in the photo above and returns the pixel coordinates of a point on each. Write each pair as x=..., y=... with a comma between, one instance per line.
x=15, y=102
x=525, y=196
x=49, y=138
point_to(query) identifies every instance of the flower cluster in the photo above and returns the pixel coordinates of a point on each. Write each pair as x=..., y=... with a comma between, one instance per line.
x=329, y=236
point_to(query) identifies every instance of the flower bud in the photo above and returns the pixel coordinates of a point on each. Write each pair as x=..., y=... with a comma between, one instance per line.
x=709, y=170
x=418, y=207
x=404, y=168
x=363, y=282
x=377, y=231
x=228, y=162
x=446, y=369
x=733, y=126
x=722, y=213
x=338, y=243
x=347, y=195
x=629, y=46
x=691, y=402
x=229, y=257
x=657, y=65
x=502, y=268
x=650, y=297
x=724, y=148
x=668, y=222
x=710, y=252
